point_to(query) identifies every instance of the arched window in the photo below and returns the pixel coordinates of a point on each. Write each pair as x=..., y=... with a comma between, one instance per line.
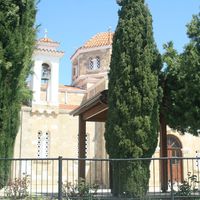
x=90, y=64
x=46, y=73
x=94, y=63
x=43, y=145
x=173, y=142
x=98, y=62
x=174, y=147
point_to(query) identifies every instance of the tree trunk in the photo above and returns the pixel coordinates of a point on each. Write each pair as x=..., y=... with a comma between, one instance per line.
x=163, y=153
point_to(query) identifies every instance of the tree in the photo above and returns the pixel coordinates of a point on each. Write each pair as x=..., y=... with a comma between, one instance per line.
x=180, y=81
x=182, y=102
x=187, y=100
x=169, y=84
x=17, y=37
x=132, y=122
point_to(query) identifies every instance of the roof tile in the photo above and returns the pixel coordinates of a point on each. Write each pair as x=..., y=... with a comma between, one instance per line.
x=47, y=40
x=100, y=39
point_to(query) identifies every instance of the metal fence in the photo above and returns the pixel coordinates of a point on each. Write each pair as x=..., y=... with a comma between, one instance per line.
x=57, y=178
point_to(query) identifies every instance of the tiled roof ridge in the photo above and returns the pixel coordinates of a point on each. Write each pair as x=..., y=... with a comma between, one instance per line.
x=47, y=40
x=95, y=41
x=49, y=50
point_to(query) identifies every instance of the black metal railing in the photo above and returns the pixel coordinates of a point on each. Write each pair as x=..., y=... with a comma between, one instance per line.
x=58, y=178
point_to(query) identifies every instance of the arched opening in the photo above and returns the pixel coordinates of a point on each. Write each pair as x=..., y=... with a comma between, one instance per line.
x=174, y=147
x=46, y=73
x=45, y=81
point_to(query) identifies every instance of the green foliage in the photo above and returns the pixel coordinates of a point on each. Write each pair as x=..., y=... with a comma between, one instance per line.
x=170, y=84
x=180, y=82
x=128, y=178
x=188, y=186
x=81, y=189
x=132, y=122
x=17, y=37
x=190, y=80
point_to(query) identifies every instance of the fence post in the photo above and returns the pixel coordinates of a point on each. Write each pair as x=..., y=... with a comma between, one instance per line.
x=171, y=178
x=60, y=178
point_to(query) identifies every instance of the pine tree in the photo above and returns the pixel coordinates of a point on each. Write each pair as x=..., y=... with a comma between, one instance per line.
x=132, y=122
x=17, y=37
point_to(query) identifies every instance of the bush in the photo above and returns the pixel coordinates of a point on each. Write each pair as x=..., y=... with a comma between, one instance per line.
x=18, y=187
x=81, y=189
x=188, y=186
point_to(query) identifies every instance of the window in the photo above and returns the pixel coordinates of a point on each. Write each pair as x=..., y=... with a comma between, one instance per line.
x=98, y=62
x=88, y=145
x=174, y=148
x=173, y=142
x=94, y=63
x=43, y=145
x=75, y=70
x=46, y=73
x=91, y=65
x=198, y=159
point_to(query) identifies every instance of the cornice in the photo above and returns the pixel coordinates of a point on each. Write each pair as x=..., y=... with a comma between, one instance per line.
x=86, y=50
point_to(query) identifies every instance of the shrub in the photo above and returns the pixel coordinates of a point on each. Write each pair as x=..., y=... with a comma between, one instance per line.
x=18, y=187
x=188, y=186
x=80, y=189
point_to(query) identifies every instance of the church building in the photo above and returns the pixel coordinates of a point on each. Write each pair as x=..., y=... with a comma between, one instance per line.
x=49, y=130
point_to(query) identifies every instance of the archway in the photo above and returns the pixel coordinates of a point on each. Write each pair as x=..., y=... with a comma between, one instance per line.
x=174, y=147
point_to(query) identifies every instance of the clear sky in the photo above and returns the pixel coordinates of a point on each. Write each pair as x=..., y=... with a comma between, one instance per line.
x=73, y=22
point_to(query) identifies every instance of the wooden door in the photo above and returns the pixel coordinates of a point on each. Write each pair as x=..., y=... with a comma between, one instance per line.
x=174, y=150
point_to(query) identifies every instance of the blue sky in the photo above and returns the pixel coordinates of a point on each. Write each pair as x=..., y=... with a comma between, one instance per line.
x=72, y=22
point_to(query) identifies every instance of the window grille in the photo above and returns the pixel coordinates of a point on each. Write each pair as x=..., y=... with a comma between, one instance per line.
x=91, y=64
x=94, y=63
x=98, y=62
x=43, y=145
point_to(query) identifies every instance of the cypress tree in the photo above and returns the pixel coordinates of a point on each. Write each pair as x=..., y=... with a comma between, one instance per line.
x=132, y=122
x=17, y=37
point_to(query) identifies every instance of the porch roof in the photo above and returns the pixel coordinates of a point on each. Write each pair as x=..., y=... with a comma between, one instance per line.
x=94, y=109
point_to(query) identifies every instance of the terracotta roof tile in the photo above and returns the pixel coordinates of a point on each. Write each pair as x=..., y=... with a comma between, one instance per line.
x=45, y=39
x=49, y=50
x=100, y=39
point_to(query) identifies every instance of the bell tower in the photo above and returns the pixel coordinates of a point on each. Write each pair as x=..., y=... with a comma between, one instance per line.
x=45, y=79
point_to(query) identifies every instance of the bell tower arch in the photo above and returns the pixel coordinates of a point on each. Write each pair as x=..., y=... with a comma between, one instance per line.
x=45, y=79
